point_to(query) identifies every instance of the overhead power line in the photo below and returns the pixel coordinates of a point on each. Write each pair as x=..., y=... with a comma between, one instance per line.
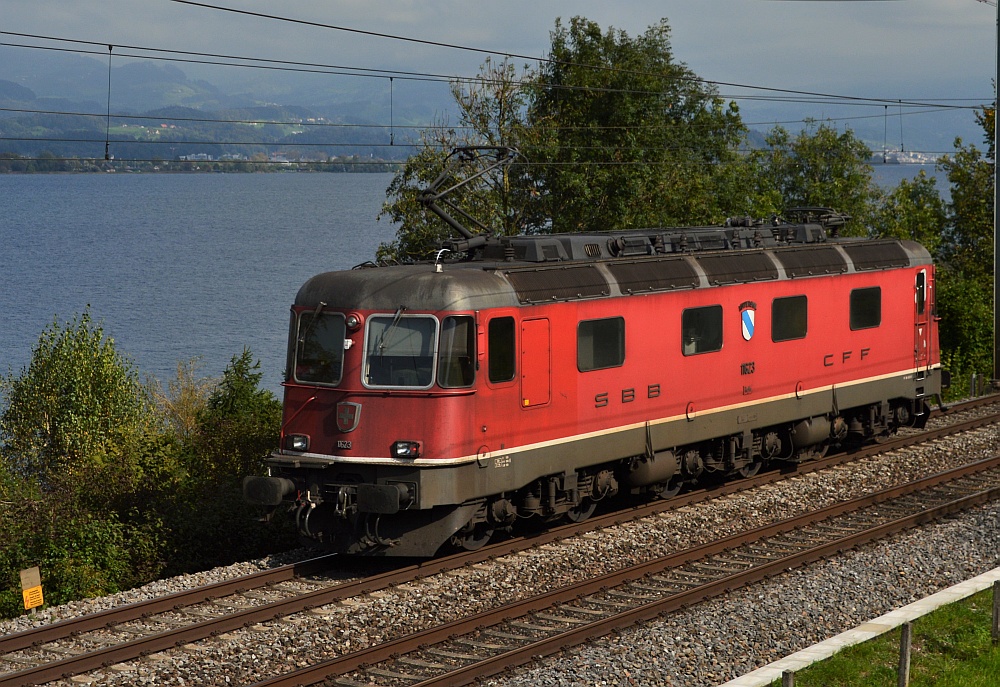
x=150, y=53
x=346, y=29
x=194, y=57
x=506, y=55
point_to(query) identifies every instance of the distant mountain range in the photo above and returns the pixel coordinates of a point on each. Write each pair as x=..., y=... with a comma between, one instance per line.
x=160, y=112
x=157, y=111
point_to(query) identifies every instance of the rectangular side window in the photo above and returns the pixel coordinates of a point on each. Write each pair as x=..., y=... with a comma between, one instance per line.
x=457, y=359
x=921, y=292
x=600, y=344
x=501, y=349
x=866, y=308
x=789, y=318
x=701, y=330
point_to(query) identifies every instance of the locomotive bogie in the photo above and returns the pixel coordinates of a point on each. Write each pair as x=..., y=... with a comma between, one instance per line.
x=428, y=405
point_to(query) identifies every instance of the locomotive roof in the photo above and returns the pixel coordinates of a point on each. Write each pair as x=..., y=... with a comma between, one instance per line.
x=541, y=273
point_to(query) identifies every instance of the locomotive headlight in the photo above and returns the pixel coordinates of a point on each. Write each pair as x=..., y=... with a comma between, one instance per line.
x=297, y=442
x=405, y=449
x=353, y=321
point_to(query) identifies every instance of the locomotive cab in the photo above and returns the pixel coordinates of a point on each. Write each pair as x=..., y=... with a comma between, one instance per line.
x=375, y=413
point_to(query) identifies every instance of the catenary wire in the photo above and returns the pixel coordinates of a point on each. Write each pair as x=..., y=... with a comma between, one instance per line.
x=506, y=55
x=288, y=65
x=806, y=96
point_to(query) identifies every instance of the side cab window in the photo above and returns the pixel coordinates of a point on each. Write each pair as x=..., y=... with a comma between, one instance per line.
x=457, y=357
x=501, y=349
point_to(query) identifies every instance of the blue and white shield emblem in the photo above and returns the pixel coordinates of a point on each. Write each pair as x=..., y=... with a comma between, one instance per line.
x=747, y=315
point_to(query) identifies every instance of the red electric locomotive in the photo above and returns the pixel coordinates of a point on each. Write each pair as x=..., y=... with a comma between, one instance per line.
x=434, y=404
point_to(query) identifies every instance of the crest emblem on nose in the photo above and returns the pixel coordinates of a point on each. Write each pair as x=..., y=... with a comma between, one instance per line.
x=348, y=416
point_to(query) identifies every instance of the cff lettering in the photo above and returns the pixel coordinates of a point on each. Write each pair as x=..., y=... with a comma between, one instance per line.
x=830, y=359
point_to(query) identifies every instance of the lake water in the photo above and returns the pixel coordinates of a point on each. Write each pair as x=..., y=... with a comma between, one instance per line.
x=177, y=266
x=889, y=176
x=188, y=265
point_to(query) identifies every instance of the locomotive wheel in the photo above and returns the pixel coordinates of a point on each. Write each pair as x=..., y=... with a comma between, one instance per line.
x=751, y=469
x=581, y=512
x=473, y=537
x=669, y=490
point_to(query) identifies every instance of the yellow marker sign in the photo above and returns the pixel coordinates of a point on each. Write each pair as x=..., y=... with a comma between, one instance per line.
x=31, y=588
x=33, y=598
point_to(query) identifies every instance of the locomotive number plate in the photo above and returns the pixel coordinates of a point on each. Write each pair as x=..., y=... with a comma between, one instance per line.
x=343, y=444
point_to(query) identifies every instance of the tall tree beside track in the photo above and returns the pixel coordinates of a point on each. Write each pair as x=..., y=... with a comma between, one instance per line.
x=965, y=281
x=626, y=136
x=230, y=429
x=71, y=432
x=105, y=489
x=491, y=110
x=613, y=133
x=76, y=405
x=818, y=167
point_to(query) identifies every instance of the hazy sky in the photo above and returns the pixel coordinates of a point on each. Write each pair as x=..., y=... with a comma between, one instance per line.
x=923, y=50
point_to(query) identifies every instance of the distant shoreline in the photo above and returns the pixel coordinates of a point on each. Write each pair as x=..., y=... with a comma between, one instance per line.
x=10, y=164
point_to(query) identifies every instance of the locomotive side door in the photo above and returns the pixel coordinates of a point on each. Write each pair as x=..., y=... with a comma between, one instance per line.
x=921, y=319
x=535, y=366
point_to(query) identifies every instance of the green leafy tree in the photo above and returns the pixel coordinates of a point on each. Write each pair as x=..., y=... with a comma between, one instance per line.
x=75, y=468
x=965, y=274
x=968, y=243
x=821, y=167
x=490, y=115
x=965, y=307
x=105, y=489
x=76, y=406
x=239, y=425
x=236, y=429
x=913, y=210
x=624, y=135
x=612, y=133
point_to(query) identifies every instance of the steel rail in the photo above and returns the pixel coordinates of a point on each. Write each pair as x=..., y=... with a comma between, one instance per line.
x=115, y=616
x=518, y=656
x=679, y=600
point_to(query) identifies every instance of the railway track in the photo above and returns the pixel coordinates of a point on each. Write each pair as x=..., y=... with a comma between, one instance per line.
x=482, y=645
x=40, y=655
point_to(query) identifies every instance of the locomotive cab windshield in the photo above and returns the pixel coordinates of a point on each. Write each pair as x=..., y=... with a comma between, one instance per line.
x=400, y=351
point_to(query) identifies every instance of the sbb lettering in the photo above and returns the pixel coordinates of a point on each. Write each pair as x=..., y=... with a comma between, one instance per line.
x=602, y=400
